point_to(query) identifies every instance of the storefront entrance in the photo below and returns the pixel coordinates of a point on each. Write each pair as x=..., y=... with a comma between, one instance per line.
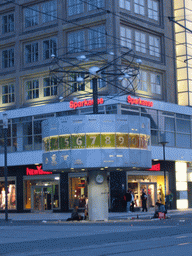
x=151, y=191
x=41, y=198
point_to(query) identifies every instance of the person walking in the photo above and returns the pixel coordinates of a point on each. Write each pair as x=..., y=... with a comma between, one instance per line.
x=170, y=199
x=132, y=201
x=128, y=200
x=144, y=201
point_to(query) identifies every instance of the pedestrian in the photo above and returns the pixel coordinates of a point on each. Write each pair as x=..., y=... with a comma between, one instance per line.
x=86, y=209
x=170, y=199
x=128, y=200
x=144, y=201
x=132, y=201
x=75, y=215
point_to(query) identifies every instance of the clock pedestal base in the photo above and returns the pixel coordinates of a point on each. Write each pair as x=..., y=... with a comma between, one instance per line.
x=98, y=195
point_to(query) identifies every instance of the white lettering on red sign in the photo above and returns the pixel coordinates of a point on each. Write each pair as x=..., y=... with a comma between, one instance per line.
x=138, y=101
x=39, y=171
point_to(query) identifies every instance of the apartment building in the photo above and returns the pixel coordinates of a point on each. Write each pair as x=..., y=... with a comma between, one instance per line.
x=32, y=33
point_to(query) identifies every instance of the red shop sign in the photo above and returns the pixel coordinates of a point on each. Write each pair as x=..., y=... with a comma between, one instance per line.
x=78, y=104
x=138, y=101
x=155, y=167
x=39, y=171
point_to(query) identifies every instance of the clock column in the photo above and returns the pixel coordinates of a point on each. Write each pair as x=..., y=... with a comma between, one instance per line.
x=98, y=189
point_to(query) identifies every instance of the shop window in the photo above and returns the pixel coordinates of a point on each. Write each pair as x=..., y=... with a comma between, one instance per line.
x=11, y=196
x=77, y=192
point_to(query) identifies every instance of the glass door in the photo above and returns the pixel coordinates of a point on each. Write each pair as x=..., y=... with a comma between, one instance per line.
x=151, y=192
x=41, y=198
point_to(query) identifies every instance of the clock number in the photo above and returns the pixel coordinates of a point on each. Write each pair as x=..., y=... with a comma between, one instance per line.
x=66, y=142
x=107, y=140
x=93, y=138
x=79, y=141
x=121, y=140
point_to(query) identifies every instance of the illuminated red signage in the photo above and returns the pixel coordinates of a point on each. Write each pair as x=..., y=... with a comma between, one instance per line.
x=78, y=104
x=39, y=171
x=138, y=101
x=155, y=167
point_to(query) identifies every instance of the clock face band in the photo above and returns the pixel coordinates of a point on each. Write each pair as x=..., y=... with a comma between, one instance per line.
x=96, y=140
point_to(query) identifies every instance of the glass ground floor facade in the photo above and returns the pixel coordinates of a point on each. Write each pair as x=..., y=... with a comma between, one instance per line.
x=32, y=190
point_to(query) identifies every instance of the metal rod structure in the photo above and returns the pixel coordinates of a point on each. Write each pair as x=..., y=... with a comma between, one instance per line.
x=95, y=96
x=5, y=127
x=164, y=170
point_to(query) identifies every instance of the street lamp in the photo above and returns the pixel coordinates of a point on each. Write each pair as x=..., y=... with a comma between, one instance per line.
x=5, y=128
x=163, y=142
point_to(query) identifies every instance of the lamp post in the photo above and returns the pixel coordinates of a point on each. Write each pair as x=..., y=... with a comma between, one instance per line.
x=163, y=142
x=5, y=128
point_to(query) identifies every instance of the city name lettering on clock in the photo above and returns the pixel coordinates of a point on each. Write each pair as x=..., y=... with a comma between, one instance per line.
x=78, y=104
x=138, y=101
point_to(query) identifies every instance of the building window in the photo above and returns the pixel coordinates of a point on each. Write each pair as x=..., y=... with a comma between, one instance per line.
x=154, y=46
x=50, y=86
x=49, y=48
x=95, y=4
x=8, y=23
x=8, y=93
x=125, y=34
x=97, y=37
x=31, y=16
x=8, y=58
x=140, y=42
x=156, y=83
x=76, y=41
x=153, y=12
x=49, y=11
x=74, y=85
x=32, y=89
x=125, y=4
x=142, y=81
x=139, y=7
x=31, y=53
x=75, y=7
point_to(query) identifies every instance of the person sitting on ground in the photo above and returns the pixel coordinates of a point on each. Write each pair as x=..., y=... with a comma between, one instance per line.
x=75, y=215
